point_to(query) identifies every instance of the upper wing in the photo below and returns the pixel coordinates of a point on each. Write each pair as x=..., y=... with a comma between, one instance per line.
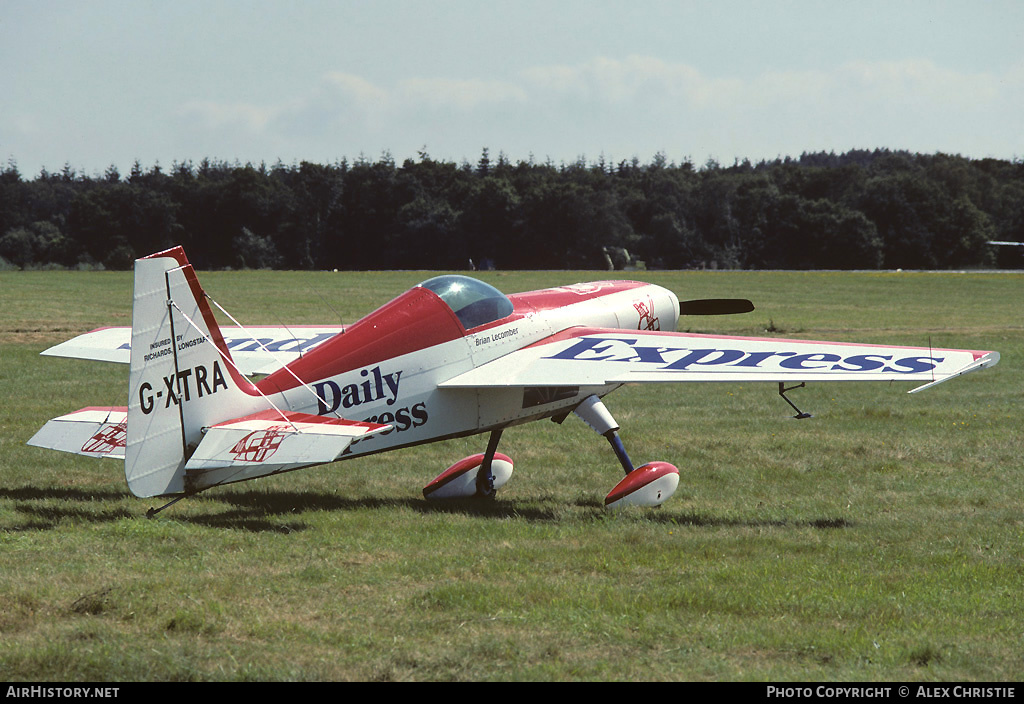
x=592, y=356
x=100, y=345
x=258, y=349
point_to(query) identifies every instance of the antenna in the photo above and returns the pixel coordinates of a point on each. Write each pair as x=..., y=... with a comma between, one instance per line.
x=333, y=309
x=931, y=356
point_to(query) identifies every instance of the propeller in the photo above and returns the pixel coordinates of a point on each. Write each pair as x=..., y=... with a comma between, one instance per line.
x=715, y=306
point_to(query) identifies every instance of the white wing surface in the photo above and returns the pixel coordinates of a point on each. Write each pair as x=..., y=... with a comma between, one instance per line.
x=256, y=349
x=589, y=356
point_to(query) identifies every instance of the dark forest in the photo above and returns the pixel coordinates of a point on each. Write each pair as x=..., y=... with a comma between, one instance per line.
x=876, y=209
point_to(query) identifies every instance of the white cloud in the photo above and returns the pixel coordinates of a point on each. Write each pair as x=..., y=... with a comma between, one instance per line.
x=623, y=82
x=918, y=80
x=354, y=91
x=460, y=95
x=213, y=115
x=613, y=82
x=639, y=105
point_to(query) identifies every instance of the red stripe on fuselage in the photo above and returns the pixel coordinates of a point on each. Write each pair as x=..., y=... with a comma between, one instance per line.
x=561, y=296
x=413, y=321
x=416, y=320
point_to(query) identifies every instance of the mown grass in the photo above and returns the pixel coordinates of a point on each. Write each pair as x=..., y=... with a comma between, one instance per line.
x=881, y=540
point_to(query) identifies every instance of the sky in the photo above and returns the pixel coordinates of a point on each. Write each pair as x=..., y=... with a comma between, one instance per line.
x=99, y=83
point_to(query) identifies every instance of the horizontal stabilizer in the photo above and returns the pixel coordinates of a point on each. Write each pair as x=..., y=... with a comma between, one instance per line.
x=715, y=306
x=269, y=442
x=93, y=432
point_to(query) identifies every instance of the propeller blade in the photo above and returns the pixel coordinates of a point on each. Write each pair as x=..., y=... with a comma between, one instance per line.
x=715, y=306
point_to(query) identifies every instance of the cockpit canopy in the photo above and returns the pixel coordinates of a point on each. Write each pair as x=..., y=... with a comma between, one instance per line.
x=473, y=302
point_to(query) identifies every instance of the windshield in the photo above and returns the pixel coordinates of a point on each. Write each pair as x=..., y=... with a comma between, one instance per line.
x=473, y=302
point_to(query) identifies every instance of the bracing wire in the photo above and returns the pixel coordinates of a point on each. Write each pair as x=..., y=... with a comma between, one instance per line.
x=268, y=351
x=228, y=360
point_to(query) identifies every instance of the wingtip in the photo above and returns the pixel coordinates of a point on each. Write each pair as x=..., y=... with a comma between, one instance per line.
x=982, y=360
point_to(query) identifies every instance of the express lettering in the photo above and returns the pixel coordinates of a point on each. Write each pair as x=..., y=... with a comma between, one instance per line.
x=199, y=381
x=298, y=344
x=375, y=386
x=250, y=344
x=403, y=419
x=684, y=359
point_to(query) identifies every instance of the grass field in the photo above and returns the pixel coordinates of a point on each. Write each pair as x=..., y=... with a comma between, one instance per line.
x=882, y=540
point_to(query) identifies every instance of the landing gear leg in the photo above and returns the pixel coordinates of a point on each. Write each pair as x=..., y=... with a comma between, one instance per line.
x=484, y=476
x=594, y=413
x=479, y=475
x=782, y=392
x=620, y=451
x=153, y=511
x=650, y=484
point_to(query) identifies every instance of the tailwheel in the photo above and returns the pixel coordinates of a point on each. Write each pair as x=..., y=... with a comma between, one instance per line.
x=478, y=475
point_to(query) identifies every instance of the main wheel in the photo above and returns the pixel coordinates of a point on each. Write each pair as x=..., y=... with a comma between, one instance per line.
x=651, y=484
x=459, y=480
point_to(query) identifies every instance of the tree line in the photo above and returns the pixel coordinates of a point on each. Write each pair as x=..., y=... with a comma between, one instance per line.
x=864, y=209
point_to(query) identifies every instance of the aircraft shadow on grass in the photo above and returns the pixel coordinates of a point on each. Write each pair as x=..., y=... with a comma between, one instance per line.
x=72, y=504
x=256, y=511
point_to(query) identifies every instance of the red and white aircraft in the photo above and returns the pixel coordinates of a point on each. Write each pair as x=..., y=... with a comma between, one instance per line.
x=451, y=357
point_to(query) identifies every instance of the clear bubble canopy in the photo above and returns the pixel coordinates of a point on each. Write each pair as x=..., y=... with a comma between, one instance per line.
x=473, y=302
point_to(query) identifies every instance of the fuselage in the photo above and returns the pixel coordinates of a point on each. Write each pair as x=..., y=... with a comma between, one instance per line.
x=385, y=368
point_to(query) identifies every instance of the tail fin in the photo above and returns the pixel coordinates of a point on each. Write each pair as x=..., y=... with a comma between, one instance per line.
x=182, y=379
x=193, y=421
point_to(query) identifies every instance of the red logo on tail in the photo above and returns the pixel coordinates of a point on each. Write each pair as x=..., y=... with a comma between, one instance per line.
x=259, y=444
x=108, y=439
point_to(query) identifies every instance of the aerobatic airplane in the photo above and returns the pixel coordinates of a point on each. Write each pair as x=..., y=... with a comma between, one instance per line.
x=450, y=357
